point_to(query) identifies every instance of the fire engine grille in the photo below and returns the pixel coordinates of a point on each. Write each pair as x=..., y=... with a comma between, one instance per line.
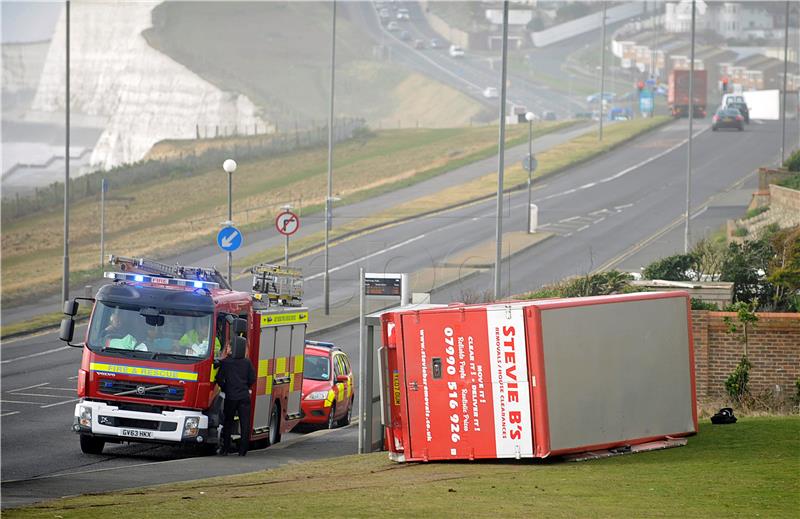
x=139, y=390
x=134, y=423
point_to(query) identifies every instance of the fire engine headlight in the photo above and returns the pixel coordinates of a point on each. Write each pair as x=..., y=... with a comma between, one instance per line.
x=85, y=418
x=317, y=395
x=191, y=426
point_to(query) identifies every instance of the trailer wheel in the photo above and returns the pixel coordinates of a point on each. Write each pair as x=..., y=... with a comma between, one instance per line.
x=331, y=418
x=275, y=424
x=348, y=416
x=91, y=445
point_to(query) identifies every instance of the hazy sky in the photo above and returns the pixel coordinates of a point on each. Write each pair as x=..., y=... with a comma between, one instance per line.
x=28, y=20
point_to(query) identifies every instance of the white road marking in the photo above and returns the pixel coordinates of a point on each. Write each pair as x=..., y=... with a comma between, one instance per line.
x=74, y=377
x=60, y=403
x=39, y=394
x=32, y=355
x=368, y=256
x=626, y=170
x=582, y=228
x=569, y=219
x=28, y=387
x=619, y=208
x=698, y=213
x=61, y=388
x=9, y=414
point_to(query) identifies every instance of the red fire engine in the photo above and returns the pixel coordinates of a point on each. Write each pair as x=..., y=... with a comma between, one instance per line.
x=155, y=338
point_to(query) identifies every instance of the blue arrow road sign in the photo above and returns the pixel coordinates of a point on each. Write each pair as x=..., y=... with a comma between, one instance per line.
x=229, y=239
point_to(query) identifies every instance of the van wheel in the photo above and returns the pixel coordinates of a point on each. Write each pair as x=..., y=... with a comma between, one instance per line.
x=275, y=424
x=348, y=416
x=331, y=419
x=91, y=445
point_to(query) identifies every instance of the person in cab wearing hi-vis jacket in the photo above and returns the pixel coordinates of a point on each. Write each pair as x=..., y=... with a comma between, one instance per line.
x=236, y=377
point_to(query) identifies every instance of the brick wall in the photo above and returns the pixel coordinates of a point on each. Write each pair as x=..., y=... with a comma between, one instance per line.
x=773, y=350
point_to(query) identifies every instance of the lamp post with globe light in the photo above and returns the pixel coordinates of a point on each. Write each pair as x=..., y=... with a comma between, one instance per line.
x=230, y=166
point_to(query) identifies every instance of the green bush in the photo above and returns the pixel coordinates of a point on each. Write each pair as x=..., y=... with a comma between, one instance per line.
x=671, y=268
x=699, y=304
x=745, y=266
x=601, y=284
x=792, y=182
x=740, y=232
x=756, y=211
x=792, y=163
x=737, y=382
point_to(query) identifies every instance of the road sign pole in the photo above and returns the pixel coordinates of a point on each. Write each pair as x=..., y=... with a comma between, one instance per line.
x=530, y=167
x=362, y=369
x=286, y=251
x=230, y=222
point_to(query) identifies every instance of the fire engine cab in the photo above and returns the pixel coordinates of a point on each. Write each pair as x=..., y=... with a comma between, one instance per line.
x=154, y=341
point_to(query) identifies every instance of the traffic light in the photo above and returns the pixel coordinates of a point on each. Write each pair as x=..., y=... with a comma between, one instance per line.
x=725, y=85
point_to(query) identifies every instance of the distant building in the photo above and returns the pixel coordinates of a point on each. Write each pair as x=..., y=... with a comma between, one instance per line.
x=731, y=20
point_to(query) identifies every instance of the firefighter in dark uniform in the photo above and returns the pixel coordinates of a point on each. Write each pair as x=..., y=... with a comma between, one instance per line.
x=235, y=377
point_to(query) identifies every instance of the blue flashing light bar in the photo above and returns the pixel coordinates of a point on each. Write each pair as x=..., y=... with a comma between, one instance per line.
x=157, y=280
x=321, y=344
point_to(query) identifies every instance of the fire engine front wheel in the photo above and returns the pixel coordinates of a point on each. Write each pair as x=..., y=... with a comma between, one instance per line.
x=91, y=445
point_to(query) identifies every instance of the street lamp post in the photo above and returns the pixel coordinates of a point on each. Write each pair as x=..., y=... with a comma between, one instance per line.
x=501, y=158
x=687, y=223
x=65, y=262
x=602, y=71
x=529, y=117
x=230, y=166
x=326, y=282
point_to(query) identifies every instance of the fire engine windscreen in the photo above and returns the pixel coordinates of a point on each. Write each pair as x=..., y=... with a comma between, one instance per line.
x=148, y=329
x=316, y=368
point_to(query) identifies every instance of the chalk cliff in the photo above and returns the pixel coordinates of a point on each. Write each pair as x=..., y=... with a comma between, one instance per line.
x=145, y=95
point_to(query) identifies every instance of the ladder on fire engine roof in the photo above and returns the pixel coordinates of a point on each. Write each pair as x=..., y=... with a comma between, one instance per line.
x=146, y=266
x=277, y=285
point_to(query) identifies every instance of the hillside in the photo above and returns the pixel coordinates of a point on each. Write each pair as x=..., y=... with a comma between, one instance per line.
x=278, y=55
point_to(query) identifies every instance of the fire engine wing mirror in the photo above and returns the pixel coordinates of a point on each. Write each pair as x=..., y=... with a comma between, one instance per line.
x=67, y=331
x=71, y=308
x=341, y=378
x=239, y=326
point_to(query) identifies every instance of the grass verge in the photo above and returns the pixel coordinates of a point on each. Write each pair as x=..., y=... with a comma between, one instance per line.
x=40, y=322
x=177, y=213
x=749, y=469
x=556, y=159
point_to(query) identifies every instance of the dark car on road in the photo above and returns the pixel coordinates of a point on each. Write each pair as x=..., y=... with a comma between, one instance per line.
x=742, y=107
x=727, y=117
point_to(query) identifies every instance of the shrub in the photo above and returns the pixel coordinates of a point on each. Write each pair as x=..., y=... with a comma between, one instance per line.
x=756, y=211
x=699, y=304
x=671, y=268
x=792, y=163
x=603, y=283
x=736, y=383
x=740, y=232
x=746, y=265
x=792, y=182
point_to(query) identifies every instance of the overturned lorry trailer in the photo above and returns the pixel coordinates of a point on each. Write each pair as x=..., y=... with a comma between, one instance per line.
x=537, y=378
